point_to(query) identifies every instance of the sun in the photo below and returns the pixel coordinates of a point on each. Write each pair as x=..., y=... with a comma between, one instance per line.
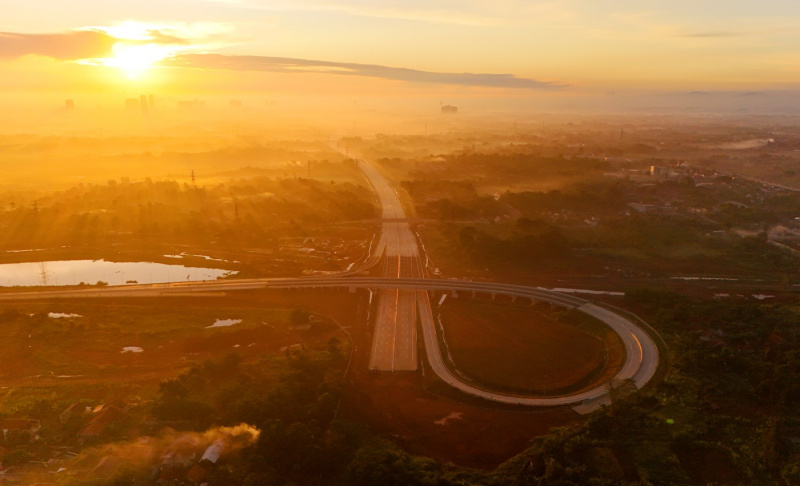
x=136, y=59
x=138, y=47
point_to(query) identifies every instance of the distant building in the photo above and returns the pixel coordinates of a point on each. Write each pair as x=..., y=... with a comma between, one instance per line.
x=178, y=462
x=662, y=172
x=143, y=102
x=656, y=170
x=236, y=104
x=213, y=452
x=69, y=104
x=104, y=415
x=449, y=110
x=27, y=427
x=75, y=409
x=132, y=103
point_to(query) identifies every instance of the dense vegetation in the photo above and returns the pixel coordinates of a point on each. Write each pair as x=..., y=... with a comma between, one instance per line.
x=238, y=211
x=728, y=412
x=644, y=224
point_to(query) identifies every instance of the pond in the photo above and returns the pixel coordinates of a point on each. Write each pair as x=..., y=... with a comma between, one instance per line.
x=73, y=272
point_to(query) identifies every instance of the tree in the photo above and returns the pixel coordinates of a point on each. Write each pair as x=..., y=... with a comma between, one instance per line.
x=468, y=236
x=334, y=347
x=618, y=390
x=17, y=457
x=174, y=388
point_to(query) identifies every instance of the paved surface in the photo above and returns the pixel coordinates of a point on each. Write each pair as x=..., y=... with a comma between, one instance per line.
x=394, y=340
x=403, y=297
x=394, y=344
x=394, y=331
x=640, y=363
x=641, y=358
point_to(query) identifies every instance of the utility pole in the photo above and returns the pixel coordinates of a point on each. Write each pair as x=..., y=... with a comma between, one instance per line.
x=43, y=272
x=193, y=182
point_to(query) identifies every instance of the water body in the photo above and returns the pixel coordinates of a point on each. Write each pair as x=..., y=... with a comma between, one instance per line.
x=73, y=272
x=225, y=323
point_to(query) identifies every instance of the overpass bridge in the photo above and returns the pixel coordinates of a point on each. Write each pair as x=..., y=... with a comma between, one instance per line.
x=325, y=282
x=640, y=364
x=402, y=297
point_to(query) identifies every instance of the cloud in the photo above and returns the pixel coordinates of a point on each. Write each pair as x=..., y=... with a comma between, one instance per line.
x=713, y=35
x=98, y=42
x=155, y=36
x=291, y=65
x=66, y=46
x=439, y=12
x=469, y=13
x=169, y=33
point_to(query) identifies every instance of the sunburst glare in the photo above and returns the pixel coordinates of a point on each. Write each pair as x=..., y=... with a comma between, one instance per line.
x=136, y=59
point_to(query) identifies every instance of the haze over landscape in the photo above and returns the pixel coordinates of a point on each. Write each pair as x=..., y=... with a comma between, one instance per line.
x=520, y=242
x=576, y=55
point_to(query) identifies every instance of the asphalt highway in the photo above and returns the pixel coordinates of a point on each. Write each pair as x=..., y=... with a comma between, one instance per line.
x=641, y=352
x=394, y=340
x=403, y=295
x=394, y=343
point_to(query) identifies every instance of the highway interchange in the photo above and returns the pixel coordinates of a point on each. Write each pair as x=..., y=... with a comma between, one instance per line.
x=404, y=300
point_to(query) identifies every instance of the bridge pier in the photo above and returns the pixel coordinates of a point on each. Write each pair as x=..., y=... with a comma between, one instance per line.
x=513, y=298
x=493, y=296
x=473, y=294
x=352, y=290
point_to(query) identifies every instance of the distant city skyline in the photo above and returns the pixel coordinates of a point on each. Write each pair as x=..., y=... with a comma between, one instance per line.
x=509, y=48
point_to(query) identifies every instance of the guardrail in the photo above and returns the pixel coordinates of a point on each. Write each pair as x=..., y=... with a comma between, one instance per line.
x=637, y=343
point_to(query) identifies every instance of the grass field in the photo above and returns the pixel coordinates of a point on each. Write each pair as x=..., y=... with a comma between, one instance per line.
x=69, y=358
x=506, y=347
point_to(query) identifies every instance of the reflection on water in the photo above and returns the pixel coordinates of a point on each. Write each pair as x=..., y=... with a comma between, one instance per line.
x=73, y=272
x=225, y=323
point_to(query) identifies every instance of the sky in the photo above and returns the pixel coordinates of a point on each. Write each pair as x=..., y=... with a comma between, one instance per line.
x=499, y=48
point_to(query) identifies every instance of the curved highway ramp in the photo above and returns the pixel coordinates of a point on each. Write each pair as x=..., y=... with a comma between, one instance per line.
x=403, y=295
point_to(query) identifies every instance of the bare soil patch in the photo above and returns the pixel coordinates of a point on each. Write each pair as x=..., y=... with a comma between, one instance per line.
x=41, y=355
x=414, y=410
x=506, y=347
